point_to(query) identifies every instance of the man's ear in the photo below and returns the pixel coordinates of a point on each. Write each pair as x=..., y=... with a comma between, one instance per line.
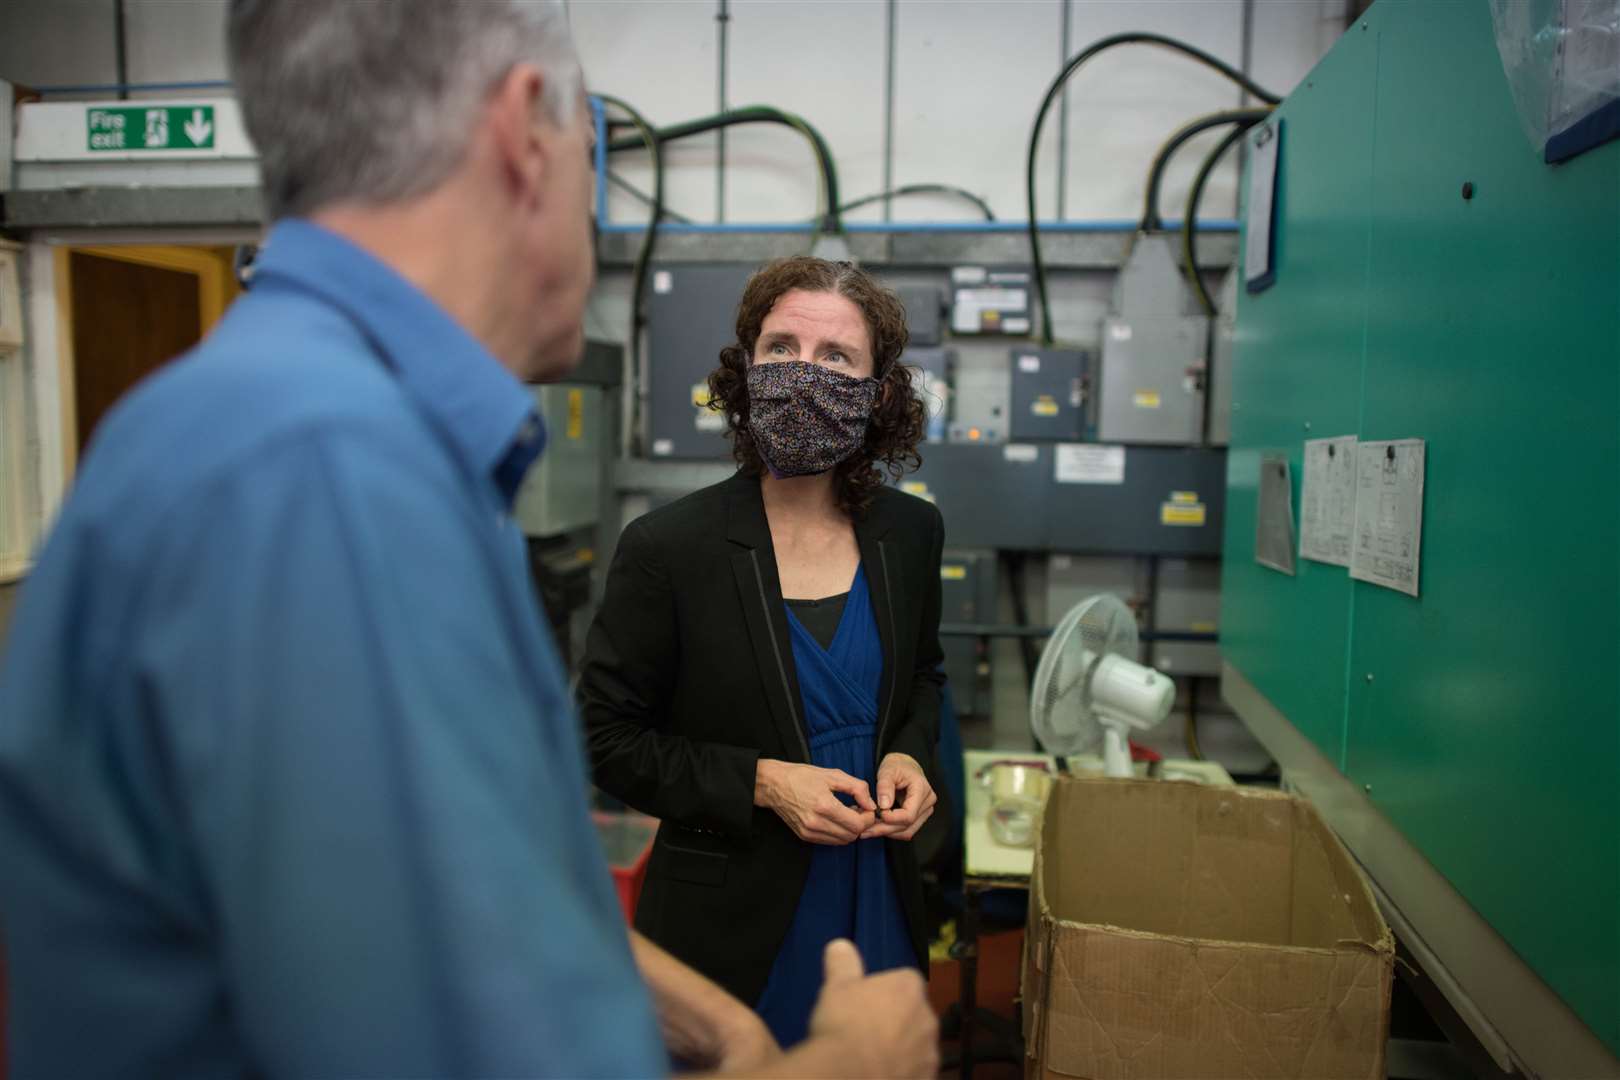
x=516, y=112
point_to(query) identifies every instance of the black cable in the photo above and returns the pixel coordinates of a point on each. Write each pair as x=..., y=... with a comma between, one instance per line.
x=1039, y=267
x=910, y=189
x=645, y=199
x=1151, y=221
x=923, y=189
x=120, y=50
x=1194, y=750
x=759, y=114
x=649, y=239
x=1026, y=646
x=1189, y=234
x=722, y=21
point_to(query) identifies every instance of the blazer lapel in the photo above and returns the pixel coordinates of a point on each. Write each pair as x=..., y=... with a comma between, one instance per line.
x=879, y=557
x=753, y=565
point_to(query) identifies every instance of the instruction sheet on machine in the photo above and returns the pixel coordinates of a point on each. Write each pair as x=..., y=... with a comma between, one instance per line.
x=1327, y=512
x=1389, y=514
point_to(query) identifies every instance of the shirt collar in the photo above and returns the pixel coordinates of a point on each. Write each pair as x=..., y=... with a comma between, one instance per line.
x=486, y=413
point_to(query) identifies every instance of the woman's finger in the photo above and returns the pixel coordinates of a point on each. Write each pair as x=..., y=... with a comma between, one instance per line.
x=902, y=815
x=837, y=817
x=817, y=835
x=878, y=832
x=851, y=786
x=921, y=819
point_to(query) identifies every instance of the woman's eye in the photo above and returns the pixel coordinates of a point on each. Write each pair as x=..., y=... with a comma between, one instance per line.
x=838, y=358
x=779, y=349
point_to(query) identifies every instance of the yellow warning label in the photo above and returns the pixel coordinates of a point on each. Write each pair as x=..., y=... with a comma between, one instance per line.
x=700, y=395
x=919, y=489
x=576, y=413
x=1146, y=399
x=1186, y=498
x=953, y=573
x=1045, y=405
x=1202, y=627
x=1181, y=514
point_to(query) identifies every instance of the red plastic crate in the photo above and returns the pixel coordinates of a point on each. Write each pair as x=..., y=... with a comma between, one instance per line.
x=627, y=841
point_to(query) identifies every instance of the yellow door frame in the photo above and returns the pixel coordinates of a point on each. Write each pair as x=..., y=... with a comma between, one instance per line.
x=216, y=288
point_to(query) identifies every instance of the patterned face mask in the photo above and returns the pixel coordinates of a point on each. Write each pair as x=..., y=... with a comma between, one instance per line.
x=804, y=418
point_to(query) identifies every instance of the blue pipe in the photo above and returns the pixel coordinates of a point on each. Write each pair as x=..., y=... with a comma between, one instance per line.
x=119, y=88
x=1122, y=225
x=599, y=118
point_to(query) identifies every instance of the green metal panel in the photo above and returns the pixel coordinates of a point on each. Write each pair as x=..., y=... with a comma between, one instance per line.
x=1489, y=732
x=1297, y=353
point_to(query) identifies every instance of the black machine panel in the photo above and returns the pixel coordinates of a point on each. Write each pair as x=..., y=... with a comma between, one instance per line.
x=1166, y=500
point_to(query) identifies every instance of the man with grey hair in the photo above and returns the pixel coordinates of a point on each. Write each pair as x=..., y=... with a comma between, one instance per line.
x=289, y=780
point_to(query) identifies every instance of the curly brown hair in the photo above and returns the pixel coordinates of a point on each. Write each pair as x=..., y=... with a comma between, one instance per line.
x=898, y=417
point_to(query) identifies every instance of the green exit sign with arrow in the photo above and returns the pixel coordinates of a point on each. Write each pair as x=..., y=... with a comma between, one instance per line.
x=164, y=127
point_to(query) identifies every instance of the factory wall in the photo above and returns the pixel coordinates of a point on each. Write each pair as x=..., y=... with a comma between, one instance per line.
x=905, y=92
x=966, y=80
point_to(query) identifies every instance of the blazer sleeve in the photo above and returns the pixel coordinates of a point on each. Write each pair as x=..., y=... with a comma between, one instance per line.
x=918, y=735
x=627, y=680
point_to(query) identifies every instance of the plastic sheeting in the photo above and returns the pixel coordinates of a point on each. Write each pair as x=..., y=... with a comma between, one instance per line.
x=1562, y=59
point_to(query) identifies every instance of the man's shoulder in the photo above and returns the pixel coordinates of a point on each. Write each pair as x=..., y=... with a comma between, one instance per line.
x=269, y=372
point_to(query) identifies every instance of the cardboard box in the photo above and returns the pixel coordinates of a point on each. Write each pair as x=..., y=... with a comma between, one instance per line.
x=1178, y=930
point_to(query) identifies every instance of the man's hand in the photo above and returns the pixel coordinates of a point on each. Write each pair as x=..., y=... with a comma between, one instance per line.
x=905, y=796
x=881, y=1025
x=806, y=798
x=746, y=1045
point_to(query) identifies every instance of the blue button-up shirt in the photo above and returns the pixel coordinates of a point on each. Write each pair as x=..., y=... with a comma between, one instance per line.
x=289, y=780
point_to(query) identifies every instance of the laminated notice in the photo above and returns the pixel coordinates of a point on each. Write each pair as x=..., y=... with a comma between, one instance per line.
x=1389, y=514
x=1274, y=521
x=1089, y=463
x=1327, y=500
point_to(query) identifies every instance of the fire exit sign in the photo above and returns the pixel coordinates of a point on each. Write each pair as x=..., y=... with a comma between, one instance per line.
x=162, y=127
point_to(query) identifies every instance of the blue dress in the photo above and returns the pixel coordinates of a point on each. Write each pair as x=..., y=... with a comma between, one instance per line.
x=850, y=892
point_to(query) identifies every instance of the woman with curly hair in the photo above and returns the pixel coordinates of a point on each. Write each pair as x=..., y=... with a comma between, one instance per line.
x=763, y=674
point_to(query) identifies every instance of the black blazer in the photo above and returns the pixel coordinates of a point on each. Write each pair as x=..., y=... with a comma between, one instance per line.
x=688, y=679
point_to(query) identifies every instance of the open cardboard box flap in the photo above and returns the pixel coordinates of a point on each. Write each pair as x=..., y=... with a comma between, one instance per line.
x=1178, y=930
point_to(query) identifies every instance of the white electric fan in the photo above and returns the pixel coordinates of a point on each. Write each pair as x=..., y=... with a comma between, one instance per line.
x=1088, y=686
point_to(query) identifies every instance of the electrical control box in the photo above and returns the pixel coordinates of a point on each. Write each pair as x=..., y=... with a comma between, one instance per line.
x=925, y=313
x=1152, y=380
x=967, y=588
x=1151, y=388
x=990, y=496
x=691, y=316
x=1071, y=579
x=1150, y=500
x=990, y=300
x=981, y=394
x=1048, y=394
x=1188, y=600
x=932, y=381
x=1223, y=334
x=562, y=490
x=1076, y=497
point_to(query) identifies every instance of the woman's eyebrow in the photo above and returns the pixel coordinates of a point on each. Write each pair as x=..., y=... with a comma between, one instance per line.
x=835, y=346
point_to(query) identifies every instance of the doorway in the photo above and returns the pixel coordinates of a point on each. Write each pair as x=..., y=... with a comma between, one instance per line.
x=128, y=311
